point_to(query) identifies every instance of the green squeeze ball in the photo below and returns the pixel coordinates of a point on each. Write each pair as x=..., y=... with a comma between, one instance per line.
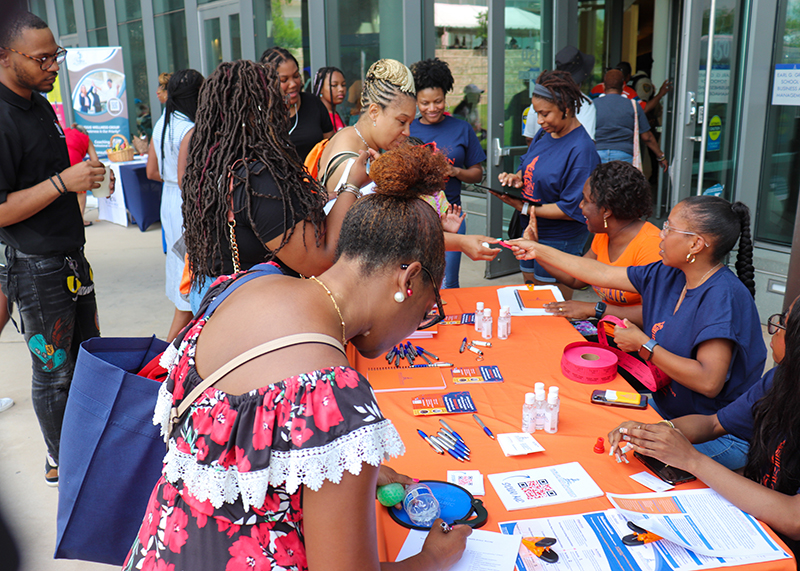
x=391, y=494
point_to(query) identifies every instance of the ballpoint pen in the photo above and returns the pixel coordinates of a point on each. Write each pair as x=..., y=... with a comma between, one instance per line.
x=410, y=349
x=449, y=449
x=463, y=345
x=421, y=350
x=485, y=429
x=435, y=365
x=454, y=443
x=424, y=357
x=390, y=355
x=430, y=442
x=453, y=432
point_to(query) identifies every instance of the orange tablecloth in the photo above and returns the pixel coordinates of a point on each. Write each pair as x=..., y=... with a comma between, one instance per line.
x=531, y=354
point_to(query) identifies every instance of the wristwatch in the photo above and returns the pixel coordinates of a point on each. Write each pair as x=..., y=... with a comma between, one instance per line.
x=599, y=310
x=646, y=350
x=525, y=208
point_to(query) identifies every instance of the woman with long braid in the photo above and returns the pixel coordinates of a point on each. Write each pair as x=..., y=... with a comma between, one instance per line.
x=701, y=331
x=165, y=160
x=309, y=121
x=388, y=106
x=560, y=159
x=331, y=87
x=247, y=198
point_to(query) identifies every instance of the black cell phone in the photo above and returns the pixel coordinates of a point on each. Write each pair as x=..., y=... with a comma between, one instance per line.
x=507, y=190
x=618, y=398
x=670, y=474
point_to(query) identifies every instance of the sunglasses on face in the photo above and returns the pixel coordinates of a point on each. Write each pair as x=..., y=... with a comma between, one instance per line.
x=775, y=322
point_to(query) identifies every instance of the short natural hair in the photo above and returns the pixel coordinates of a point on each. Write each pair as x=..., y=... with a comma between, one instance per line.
x=12, y=26
x=432, y=73
x=614, y=80
x=622, y=188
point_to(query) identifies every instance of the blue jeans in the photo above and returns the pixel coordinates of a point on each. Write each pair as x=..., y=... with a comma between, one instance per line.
x=608, y=155
x=58, y=311
x=453, y=263
x=572, y=246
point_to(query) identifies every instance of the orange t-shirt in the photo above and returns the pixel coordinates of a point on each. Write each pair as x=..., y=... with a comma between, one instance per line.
x=642, y=250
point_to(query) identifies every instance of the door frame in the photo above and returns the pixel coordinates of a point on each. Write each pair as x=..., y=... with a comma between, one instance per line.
x=222, y=10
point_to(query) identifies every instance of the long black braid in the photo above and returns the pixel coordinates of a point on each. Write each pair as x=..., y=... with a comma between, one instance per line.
x=725, y=223
x=319, y=81
x=566, y=94
x=183, y=90
x=241, y=119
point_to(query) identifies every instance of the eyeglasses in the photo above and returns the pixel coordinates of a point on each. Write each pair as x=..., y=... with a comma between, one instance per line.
x=667, y=229
x=775, y=322
x=45, y=62
x=434, y=316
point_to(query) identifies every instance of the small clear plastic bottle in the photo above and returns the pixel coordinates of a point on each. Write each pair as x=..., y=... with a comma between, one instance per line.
x=479, y=317
x=504, y=323
x=551, y=414
x=528, y=422
x=538, y=387
x=486, y=331
x=540, y=408
x=421, y=505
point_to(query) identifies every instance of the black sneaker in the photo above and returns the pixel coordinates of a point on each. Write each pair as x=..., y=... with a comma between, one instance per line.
x=50, y=473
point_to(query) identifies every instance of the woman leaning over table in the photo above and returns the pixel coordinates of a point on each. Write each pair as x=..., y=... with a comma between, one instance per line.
x=701, y=326
x=388, y=106
x=615, y=199
x=553, y=171
x=454, y=137
x=767, y=415
x=276, y=466
x=247, y=198
x=309, y=121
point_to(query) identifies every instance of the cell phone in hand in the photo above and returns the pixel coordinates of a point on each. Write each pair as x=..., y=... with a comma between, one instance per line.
x=618, y=398
x=670, y=474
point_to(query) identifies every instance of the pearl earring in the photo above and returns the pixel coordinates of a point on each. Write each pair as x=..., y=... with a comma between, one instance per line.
x=399, y=297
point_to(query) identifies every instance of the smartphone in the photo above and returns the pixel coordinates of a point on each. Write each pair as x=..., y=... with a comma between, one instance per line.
x=617, y=398
x=507, y=190
x=670, y=474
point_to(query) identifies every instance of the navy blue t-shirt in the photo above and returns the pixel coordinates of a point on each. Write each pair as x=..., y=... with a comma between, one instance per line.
x=614, y=130
x=554, y=171
x=457, y=140
x=737, y=417
x=720, y=308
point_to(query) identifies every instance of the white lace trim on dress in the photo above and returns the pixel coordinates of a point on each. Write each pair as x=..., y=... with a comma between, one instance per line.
x=308, y=467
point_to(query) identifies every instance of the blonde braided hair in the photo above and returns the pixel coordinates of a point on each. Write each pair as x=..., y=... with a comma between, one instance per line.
x=385, y=79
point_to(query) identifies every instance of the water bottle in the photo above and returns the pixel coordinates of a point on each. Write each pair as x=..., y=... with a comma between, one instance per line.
x=551, y=414
x=479, y=317
x=486, y=332
x=421, y=505
x=540, y=409
x=504, y=323
x=528, y=423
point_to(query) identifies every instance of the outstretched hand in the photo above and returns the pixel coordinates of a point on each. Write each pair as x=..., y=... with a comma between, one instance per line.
x=452, y=218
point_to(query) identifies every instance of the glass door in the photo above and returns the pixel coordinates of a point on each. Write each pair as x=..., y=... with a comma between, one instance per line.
x=707, y=114
x=220, y=34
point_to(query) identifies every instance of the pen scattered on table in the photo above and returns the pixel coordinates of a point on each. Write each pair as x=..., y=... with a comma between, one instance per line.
x=463, y=345
x=407, y=351
x=430, y=442
x=485, y=428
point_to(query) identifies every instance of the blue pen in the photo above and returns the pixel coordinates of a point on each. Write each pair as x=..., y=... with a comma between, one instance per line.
x=457, y=444
x=463, y=345
x=425, y=357
x=450, y=430
x=435, y=365
x=421, y=350
x=390, y=355
x=485, y=429
x=453, y=437
x=449, y=449
x=430, y=442
x=410, y=349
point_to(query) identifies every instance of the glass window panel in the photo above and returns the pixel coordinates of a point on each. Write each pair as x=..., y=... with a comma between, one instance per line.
x=235, y=36
x=282, y=23
x=161, y=6
x=128, y=10
x=131, y=38
x=95, y=12
x=780, y=174
x=201, y=2
x=65, y=11
x=173, y=51
x=213, y=47
x=592, y=38
x=98, y=37
x=39, y=7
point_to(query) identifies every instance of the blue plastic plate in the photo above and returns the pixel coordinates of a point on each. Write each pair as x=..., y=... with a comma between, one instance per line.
x=457, y=506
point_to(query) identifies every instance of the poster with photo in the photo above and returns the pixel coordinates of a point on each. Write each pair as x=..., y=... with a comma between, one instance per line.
x=97, y=97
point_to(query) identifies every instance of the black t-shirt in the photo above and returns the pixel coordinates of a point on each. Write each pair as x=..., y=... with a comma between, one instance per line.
x=33, y=148
x=313, y=120
x=269, y=220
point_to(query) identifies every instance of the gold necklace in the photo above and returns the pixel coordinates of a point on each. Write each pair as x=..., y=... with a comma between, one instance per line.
x=335, y=306
x=686, y=285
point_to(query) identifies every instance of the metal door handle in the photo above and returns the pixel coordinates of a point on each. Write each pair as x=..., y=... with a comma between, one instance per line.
x=499, y=151
x=696, y=139
x=691, y=107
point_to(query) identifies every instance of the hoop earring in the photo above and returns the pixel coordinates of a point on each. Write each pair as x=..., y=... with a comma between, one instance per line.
x=399, y=297
x=690, y=258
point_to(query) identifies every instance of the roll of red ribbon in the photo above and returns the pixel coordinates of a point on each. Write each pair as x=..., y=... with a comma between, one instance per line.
x=589, y=365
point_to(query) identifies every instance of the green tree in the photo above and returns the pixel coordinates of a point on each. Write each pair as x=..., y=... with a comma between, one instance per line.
x=284, y=33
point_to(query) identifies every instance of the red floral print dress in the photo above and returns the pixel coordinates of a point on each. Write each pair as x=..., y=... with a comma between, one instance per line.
x=230, y=493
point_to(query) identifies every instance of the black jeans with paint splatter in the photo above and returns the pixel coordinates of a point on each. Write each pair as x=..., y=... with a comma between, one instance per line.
x=57, y=312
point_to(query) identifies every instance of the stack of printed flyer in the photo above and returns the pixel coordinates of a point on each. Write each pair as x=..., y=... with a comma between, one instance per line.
x=700, y=530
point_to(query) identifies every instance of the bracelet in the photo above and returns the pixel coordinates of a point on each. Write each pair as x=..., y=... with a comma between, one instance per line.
x=58, y=190
x=62, y=184
x=669, y=422
x=348, y=187
x=661, y=158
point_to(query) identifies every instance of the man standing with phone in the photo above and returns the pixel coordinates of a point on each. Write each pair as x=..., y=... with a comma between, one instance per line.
x=46, y=273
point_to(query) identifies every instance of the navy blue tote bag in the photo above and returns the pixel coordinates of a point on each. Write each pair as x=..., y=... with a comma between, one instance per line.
x=111, y=453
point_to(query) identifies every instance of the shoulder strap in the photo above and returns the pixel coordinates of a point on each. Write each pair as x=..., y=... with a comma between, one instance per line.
x=299, y=338
x=335, y=162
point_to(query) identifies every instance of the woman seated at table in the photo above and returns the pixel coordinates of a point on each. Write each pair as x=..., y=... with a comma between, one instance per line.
x=615, y=199
x=236, y=214
x=701, y=326
x=276, y=465
x=767, y=416
x=388, y=105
